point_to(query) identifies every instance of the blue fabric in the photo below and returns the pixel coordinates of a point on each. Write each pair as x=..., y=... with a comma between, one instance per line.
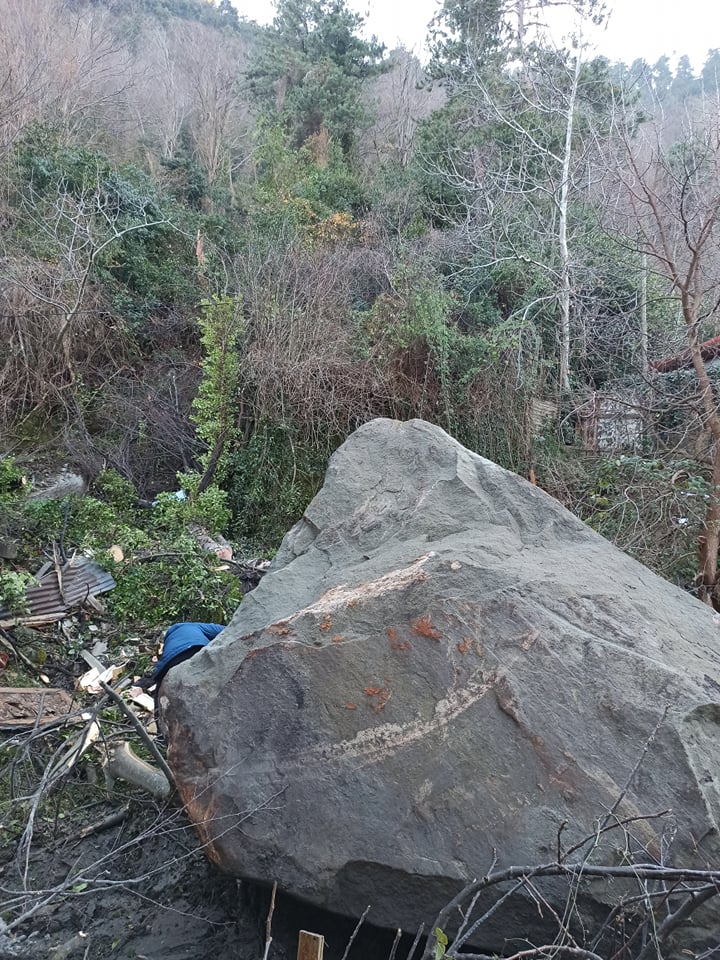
x=180, y=639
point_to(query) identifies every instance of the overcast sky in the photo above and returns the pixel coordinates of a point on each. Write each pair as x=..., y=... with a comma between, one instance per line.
x=636, y=28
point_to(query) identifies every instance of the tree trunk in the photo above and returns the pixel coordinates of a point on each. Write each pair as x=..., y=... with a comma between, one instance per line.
x=709, y=543
x=562, y=238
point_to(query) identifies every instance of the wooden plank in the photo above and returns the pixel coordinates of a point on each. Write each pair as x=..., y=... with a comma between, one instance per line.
x=310, y=946
x=20, y=706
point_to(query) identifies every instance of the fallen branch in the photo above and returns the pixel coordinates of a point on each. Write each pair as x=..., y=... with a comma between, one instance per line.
x=710, y=880
x=6, y=642
x=268, y=923
x=112, y=820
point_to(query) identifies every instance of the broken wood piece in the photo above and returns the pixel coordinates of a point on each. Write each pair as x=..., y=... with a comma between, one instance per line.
x=23, y=707
x=76, y=749
x=310, y=946
x=112, y=820
x=121, y=763
x=91, y=681
x=268, y=923
x=142, y=699
x=217, y=544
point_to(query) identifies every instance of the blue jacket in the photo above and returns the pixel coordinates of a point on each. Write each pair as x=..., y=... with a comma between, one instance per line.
x=182, y=640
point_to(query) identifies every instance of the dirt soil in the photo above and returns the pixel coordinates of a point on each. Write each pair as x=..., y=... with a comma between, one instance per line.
x=154, y=896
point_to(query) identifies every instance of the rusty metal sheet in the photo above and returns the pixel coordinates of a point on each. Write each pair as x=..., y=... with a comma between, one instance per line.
x=51, y=599
x=22, y=707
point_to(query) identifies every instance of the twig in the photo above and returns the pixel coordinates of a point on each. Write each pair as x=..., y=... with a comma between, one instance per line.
x=693, y=900
x=464, y=935
x=9, y=645
x=641, y=871
x=59, y=557
x=268, y=922
x=112, y=820
x=554, y=949
x=355, y=932
x=416, y=941
x=635, y=769
x=614, y=826
x=395, y=945
x=61, y=545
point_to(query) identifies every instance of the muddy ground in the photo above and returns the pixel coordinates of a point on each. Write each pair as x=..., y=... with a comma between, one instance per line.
x=151, y=893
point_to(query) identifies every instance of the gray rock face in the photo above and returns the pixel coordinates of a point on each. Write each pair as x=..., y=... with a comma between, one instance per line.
x=443, y=665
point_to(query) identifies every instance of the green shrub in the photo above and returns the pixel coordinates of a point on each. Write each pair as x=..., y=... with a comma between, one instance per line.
x=178, y=582
x=174, y=512
x=118, y=492
x=13, y=585
x=215, y=406
x=80, y=522
x=272, y=479
x=12, y=481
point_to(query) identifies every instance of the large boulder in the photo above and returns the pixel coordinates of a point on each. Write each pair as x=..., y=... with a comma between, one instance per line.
x=443, y=666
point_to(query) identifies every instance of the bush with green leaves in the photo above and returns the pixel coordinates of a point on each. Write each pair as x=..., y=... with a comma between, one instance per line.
x=13, y=586
x=175, y=581
x=208, y=508
x=12, y=480
x=82, y=523
x=216, y=405
x=164, y=575
x=273, y=478
x=115, y=490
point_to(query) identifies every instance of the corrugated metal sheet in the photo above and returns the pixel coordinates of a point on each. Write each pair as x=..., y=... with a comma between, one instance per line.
x=54, y=597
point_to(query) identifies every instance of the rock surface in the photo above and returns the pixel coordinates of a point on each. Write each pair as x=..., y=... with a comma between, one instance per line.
x=443, y=665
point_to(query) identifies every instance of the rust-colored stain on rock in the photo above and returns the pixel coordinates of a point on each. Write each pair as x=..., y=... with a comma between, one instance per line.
x=379, y=696
x=395, y=642
x=423, y=627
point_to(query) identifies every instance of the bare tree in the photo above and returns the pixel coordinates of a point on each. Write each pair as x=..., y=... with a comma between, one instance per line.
x=189, y=96
x=72, y=230
x=162, y=97
x=400, y=99
x=522, y=158
x=59, y=64
x=668, y=197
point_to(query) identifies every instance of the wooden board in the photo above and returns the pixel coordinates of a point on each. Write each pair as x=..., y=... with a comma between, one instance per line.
x=20, y=706
x=310, y=946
